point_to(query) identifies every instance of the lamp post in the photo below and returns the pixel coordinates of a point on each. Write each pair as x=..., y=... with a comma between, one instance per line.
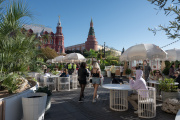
x=104, y=50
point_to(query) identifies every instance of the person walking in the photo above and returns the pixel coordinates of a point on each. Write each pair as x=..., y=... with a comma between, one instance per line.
x=146, y=70
x=121, y=70
x=139, y=83
x=113, y=71
x=70, y=69
x=96, y=74
x=172, y=71
x=82, y=74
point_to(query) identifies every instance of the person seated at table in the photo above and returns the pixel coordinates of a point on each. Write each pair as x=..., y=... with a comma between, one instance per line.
x=157, y=75
x=65, y=73
x=46, y=74
x=177, y=79
x=139, y=83
x=178, y=69
x=116, y=80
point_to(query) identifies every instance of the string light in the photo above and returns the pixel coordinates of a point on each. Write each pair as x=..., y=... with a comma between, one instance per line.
x=170, y=43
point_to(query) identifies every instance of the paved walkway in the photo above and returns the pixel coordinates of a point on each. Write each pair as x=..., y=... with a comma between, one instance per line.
x=65, y=106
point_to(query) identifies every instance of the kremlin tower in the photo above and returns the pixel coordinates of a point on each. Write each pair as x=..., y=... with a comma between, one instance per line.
x=59, y=38
x=91, y=42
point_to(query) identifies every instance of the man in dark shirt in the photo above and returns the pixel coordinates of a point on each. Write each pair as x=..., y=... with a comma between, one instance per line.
x=146, y=70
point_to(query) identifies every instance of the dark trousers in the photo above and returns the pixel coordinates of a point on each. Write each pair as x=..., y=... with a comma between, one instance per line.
x=113, y=75
x=121, y=74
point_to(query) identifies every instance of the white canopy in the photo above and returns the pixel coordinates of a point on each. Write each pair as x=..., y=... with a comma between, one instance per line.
x=143, y=52
x=59, y=59
x=173, y=54
x=73, y=58
x=50, y=61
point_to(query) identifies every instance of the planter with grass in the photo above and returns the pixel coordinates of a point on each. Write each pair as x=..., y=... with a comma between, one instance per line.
x=168, y=88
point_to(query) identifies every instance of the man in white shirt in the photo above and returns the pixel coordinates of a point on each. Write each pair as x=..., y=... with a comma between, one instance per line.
x=121, y=70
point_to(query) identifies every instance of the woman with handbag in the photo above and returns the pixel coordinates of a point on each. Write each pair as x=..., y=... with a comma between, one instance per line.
x=96, y=74
x=82, y=74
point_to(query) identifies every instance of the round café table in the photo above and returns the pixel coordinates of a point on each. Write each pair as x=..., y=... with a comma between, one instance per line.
x=118, y=96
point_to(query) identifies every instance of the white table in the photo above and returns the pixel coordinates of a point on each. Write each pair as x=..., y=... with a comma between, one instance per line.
x=177, y=115
x=156, y=82
x=118, y=96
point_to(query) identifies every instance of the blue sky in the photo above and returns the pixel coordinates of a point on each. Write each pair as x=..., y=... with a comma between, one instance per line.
x=119, y=23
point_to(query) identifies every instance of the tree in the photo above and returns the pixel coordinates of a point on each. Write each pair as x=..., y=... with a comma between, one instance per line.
x=48, y=53
x=122, y=51
x=172, y=30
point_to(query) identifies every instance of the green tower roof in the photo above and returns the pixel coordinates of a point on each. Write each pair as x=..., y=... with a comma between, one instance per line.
x=91, y=31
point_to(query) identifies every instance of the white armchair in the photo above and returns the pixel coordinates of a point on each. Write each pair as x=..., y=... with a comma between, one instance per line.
x=147, y=103
x=50, y=82
x=64, y=83
x=74, y=81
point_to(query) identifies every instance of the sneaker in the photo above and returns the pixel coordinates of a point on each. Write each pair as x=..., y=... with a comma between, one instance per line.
x=81, y=100
x=97, y=96
x=83, y=96
x=94, y=100
x=138, y=111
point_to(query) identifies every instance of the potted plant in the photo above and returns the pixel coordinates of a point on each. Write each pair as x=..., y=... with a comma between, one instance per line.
x=128, y=72
x=49, y=93
x=168, y=88
x=55, y=72
x=102, y=66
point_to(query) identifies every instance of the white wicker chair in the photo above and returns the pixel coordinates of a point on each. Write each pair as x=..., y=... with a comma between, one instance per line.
x=64, y=83
x=42, y=80
x=147, y=103
x=74, y=81
x=50, y=82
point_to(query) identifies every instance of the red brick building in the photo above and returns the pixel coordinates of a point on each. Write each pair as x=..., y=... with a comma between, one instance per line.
x=47, y=37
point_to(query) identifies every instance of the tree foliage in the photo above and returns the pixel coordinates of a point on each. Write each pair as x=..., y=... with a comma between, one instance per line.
x=16, y=48
x=172, y=30
x=49, y=53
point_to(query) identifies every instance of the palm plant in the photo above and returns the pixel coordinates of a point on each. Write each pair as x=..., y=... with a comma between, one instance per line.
x=17, y=49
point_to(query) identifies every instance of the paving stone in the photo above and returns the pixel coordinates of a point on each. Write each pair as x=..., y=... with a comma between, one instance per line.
x=65, y=106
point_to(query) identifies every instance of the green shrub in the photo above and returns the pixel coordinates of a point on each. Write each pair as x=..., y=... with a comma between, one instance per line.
x=167, y=85
x=54, y=72
x=128, y=71
x=166, y=71
x=115, y=62
x=11, y=82
x=60, y=66
x=44, y=90
x=102, y=66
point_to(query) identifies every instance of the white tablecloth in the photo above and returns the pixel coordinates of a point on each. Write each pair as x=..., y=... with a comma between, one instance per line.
x=117, y=86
